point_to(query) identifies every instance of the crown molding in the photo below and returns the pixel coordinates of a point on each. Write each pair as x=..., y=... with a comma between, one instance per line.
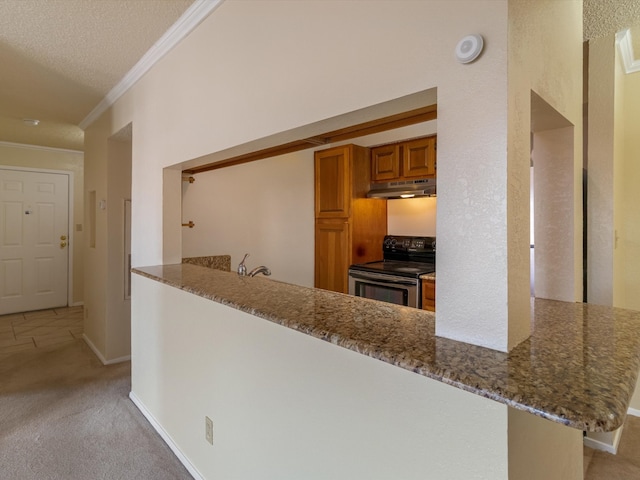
x=190, y=19
x=623, y=39
x=39, y=147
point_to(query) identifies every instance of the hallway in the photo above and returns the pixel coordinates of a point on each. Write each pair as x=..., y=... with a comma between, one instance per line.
x=64, y=415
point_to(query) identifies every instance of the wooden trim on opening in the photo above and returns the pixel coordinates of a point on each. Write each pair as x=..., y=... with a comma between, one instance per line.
x=391, y=122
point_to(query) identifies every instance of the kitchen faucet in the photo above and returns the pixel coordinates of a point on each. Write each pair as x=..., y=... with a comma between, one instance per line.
x=261, y=269
x=242, y=269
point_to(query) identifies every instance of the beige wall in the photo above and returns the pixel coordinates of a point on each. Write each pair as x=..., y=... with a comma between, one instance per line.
x=635, y=400
x=628, y=224
x=559, y=450
x=108, y=173
x=56, y=159
x=620, y=170
x=96, y=256
x=554, y=206
x=118, y=318
x=545, y=56
x=600, y=219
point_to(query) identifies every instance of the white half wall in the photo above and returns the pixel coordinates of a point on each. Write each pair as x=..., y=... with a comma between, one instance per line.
x=289, y=406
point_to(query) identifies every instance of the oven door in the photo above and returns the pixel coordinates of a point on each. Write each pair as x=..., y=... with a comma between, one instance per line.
x=385, y=287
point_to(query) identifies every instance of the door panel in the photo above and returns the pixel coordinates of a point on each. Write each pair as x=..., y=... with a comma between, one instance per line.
x=12, y=229
x=45, y=275
x=34, y=210
x=45, y=215
x=12, y=278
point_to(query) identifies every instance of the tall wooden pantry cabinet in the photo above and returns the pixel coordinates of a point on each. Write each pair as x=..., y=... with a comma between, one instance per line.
x=349, y=227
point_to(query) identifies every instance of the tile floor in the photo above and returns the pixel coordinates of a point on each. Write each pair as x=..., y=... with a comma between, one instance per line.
x=29, y=330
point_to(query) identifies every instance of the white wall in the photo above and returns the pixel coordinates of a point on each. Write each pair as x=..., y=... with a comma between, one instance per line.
x=30, y=156
x=264, y=208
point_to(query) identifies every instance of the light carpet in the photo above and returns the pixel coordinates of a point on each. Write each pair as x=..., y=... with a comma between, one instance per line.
x=64, y=415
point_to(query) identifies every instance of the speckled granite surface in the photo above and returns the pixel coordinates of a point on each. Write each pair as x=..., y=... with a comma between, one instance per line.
x=578, y=368
x=219, y=262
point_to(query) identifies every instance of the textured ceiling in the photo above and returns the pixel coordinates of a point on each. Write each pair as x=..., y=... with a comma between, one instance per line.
x=61, y=57
x=607, y=17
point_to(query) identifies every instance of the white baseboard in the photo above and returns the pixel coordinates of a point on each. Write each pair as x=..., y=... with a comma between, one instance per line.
x=634, y=412
x=77, y=304
x=165, y=436
x=100, y=356
x=604, y=446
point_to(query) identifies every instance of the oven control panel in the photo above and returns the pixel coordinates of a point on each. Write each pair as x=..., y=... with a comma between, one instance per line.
x=396, y=243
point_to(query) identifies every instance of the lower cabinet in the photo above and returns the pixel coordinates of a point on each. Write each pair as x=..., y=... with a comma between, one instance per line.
x=429, y=295
x=333, y=254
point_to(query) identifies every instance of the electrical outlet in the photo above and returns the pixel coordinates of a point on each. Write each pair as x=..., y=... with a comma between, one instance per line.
x=208, y=433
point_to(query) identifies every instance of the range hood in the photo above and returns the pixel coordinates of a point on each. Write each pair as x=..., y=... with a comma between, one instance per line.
x=404, y=189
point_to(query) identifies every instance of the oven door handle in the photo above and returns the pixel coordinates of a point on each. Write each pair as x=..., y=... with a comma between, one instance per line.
x=383, y=278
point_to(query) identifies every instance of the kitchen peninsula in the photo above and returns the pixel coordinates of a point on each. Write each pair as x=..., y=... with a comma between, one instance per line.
x=578, y=368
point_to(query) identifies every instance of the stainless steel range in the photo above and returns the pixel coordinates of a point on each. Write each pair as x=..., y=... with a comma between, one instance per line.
x=396, y=279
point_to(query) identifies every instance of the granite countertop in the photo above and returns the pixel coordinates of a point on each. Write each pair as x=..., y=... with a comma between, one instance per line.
x=219, y=262
x=578, y=368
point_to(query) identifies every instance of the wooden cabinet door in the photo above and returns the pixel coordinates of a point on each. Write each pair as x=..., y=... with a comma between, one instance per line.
x=332, y=255
x=429, y=295
x=385, y=163
x=333, y=183
x=419, y=158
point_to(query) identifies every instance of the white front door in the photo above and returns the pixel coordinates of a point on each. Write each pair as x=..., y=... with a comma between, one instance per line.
x=34, y=240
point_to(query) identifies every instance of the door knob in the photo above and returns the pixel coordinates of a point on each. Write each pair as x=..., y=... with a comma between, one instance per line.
x=63, y=237
x=63, y=244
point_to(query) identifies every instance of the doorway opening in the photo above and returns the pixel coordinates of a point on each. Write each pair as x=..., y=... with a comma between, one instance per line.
x=554, y=236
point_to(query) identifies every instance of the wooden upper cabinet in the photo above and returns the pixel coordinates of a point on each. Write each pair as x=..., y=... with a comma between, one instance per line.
x=419, y=158
x=404, y=160
x=385, y=163
x=333, y=183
